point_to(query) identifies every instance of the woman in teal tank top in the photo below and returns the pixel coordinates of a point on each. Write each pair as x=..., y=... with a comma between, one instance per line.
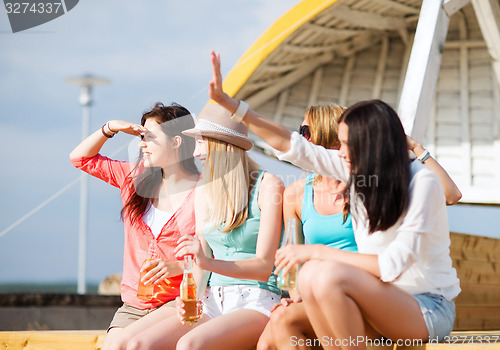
x=333, y=230
x=319, y=203
x=239, y=212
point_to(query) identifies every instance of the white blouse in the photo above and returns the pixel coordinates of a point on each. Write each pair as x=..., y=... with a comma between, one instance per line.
x=156, y=219
x=414, y=253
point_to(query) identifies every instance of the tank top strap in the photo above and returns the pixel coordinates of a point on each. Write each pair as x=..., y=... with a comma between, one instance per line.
x=307, y=201
x=255, y=190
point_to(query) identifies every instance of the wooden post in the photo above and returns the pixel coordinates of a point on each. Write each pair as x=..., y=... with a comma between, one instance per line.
x=423, y=68
x=488, y=16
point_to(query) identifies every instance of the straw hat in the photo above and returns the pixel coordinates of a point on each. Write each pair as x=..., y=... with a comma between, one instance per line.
x=215, y=122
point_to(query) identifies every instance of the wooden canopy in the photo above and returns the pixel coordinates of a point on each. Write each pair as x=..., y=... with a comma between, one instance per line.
x=434, y=61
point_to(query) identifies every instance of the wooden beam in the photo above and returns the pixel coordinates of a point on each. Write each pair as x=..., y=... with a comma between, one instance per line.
x=365, y=19
x=403, y=33
x=404, y=67
x=488, y=16
x=397, y=6
x=308, y=49
x=465, y=104
x=496, y=134
x=283, y=98
x=331, y=31
x=431, y=130
x=423, y=68
x=280, y=68
x=452, y=6
x=346, y=81
x=471, y=44
x=286, y=81
x=315, y=86
x=382, y=61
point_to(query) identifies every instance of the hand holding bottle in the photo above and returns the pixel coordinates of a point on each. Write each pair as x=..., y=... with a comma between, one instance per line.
x=191, y=245
x=190, y=303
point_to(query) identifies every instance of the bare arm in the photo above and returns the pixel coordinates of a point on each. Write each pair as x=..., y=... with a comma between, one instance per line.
x=290, y=255
x=292, y=201
x=274, y=134
x=451, y=191
x=91, y=146
x=260, y=267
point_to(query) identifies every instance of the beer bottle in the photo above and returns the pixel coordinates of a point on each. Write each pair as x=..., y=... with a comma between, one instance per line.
x=291, y=236
x=188, y=292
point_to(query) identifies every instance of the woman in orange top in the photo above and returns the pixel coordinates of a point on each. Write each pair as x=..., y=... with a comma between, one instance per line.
x=158, y=208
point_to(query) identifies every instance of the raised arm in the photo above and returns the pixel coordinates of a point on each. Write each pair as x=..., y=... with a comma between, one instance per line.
x=451, y=191
x=91, y=146
x=274, y=134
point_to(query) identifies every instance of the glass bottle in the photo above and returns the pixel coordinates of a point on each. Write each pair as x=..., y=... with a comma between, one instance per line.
x=145, y=292
x=188, y=292
x=291, y=236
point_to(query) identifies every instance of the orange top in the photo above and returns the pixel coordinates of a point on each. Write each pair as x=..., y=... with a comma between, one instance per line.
x=140, y=243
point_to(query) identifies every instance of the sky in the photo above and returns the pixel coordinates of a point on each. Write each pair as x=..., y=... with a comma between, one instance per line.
x=150, y=51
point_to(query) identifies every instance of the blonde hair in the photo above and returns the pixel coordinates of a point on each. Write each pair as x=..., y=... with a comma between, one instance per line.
x=227, y=170
x=324, y=126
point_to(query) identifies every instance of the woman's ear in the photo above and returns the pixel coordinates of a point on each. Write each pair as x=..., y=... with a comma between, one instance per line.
x=176, y=142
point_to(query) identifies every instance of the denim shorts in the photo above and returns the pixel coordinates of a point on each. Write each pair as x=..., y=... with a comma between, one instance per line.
x=439, y=314
x=223, y=300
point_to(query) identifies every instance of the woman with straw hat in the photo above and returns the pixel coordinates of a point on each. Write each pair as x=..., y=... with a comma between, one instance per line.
x=239, y=220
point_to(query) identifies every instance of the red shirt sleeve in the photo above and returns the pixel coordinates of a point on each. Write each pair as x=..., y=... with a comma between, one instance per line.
x=112, y=171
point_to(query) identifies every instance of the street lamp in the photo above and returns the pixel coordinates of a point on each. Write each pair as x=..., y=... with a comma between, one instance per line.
x=86, y=82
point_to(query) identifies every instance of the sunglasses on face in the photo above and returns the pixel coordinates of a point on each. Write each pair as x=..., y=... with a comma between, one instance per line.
x=304, y=131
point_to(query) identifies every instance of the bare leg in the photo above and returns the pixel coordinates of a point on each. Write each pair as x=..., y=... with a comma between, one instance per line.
x=340, y=298
x=266, y=340
x=113, y=339
x=117, y=337
x=164, y=334
x=237, y=330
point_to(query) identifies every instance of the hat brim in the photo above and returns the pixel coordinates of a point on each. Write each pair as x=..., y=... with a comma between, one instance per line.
x=235, y=140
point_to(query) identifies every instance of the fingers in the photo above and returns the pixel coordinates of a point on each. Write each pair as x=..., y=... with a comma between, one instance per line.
x=180, y=310
x=215, y=86
x=275, y=306
x=138, y=129
x=157, y=271
x=187, y=245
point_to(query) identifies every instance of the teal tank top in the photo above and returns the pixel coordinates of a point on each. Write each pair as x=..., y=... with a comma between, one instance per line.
x=325, y=229
x=238, y=244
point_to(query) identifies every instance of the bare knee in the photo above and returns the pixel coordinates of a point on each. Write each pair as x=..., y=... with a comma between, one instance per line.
x=283, y=318
x=137, y=343
x=266, y=338
x=306, y=278
x=188, y=342
x=265, y=343
x=115, y=340
x=326, y=278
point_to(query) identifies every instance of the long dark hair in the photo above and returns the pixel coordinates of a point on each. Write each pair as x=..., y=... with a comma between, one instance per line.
x=380, y=169
x=144, y=185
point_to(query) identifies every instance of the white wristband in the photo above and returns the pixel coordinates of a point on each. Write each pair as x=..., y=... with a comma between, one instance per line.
x=240, y=112
x=423, y=157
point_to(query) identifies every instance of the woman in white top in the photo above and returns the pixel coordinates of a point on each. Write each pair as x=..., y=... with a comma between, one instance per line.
x=401, y=284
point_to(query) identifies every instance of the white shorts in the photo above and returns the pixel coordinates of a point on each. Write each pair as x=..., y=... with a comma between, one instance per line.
x=219, y=301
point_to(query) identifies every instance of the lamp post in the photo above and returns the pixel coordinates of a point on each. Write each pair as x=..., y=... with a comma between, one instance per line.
x=86, y=82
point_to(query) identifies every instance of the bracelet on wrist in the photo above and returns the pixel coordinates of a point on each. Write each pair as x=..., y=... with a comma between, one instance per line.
x=110, y=130
x=104, y=132
x=241, y=111
x=424, y=156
